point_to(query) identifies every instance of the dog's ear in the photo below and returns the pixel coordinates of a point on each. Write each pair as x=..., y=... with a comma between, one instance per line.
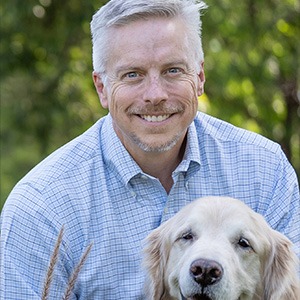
x=280, y=278
x=156, y=253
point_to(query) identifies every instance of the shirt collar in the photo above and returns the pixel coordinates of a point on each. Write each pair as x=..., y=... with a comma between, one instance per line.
x=191, y=159
x=115, y=154
x=121, y=162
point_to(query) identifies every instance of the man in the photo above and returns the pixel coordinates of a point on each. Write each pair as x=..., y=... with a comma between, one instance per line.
x=136, y=167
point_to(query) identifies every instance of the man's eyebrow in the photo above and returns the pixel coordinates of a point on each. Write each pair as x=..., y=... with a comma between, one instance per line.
x=135, y=67
x=176, y=63
x=130, y=67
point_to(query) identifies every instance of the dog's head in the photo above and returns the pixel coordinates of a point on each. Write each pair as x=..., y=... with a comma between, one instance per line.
x=218, y=248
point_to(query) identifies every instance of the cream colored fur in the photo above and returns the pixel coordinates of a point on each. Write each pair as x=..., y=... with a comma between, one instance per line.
x=218, y=229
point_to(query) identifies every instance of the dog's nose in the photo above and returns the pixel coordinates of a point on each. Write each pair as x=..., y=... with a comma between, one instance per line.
x=206, y=272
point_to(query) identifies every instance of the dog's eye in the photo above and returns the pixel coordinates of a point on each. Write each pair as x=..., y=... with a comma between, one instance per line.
x=244, y=243
x=187, y=236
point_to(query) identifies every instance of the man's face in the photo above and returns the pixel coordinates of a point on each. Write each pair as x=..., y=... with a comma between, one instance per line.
x=152, y=84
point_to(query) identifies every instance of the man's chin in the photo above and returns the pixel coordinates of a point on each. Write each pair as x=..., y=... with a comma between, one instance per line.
x=158, y=147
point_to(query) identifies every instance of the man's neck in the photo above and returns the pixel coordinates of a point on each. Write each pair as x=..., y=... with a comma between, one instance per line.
x=162, y=164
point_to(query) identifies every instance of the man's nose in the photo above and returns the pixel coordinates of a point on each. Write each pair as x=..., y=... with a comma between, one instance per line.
x=155, y=90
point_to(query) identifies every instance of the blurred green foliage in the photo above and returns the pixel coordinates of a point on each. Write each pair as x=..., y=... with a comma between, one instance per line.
x=252, y=52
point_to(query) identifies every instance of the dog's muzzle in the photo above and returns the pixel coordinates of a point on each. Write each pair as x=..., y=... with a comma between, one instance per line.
x=197, y=297
x=205, y=273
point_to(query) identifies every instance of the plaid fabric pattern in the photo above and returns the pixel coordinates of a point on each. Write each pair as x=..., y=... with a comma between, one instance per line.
x=95, y=189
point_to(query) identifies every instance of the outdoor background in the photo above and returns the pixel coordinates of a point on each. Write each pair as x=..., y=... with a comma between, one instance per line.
x=252, y=52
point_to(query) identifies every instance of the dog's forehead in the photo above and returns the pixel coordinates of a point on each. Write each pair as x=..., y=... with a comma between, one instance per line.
x=216, y=205
x=216, y=211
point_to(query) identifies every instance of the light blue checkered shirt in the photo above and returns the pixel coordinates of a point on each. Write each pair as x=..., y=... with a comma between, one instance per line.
x=94, y=187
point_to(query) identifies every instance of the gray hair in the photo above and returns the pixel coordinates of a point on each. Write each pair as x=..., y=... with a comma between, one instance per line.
x=122, y=12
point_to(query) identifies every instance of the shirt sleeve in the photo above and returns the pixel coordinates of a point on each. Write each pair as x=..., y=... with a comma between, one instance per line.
x=28, y=234
x=284, y=210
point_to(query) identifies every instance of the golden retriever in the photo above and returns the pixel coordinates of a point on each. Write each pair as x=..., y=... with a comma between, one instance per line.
x=217, y=248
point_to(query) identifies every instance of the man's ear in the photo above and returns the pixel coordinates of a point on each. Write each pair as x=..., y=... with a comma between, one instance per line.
x=101, y=89
x=201, y=80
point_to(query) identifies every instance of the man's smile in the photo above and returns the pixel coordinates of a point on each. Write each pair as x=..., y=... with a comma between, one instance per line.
x=159, y=118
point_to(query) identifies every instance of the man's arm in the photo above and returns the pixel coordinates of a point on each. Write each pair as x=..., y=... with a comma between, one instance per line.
x=29, y=230
x=284, y=210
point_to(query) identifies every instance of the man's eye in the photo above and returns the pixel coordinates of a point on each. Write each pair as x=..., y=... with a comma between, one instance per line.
x=131, y=75
x=174, y=70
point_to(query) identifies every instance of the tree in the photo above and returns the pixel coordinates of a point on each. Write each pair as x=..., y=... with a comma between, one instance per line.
x=47, y=95
x=252, y=67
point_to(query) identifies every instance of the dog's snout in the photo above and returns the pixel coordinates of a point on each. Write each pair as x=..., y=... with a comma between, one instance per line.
x=206, y=272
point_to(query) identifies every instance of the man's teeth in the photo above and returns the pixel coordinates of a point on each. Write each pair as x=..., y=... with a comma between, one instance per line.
x=155, y=118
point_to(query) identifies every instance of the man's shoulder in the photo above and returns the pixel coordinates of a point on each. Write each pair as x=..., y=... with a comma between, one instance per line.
x=69, y=160
x=226, y=133
x=72, y=172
